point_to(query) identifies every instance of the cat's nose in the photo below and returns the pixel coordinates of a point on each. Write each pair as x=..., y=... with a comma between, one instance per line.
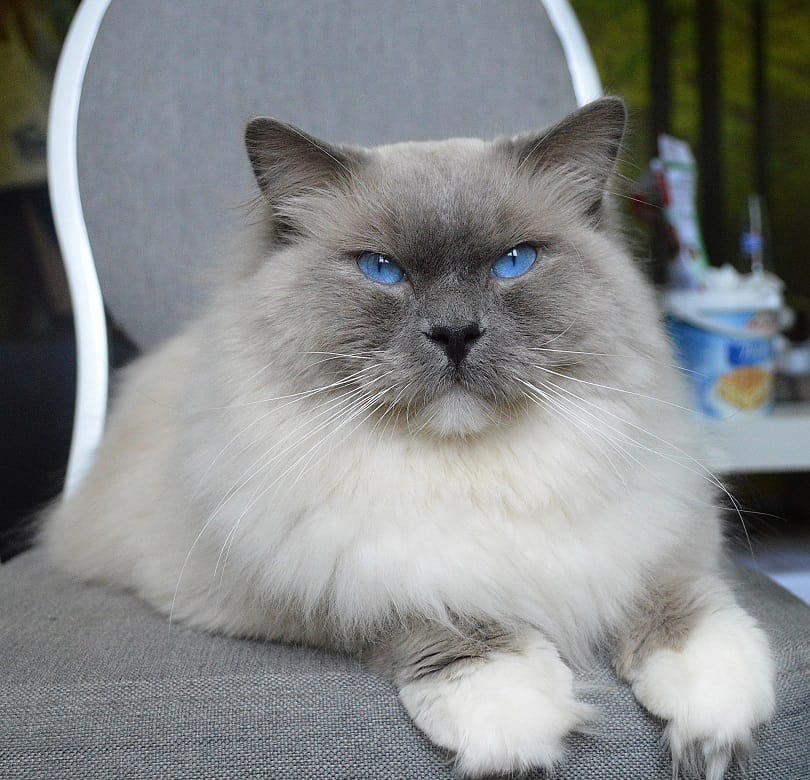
x=456, y=341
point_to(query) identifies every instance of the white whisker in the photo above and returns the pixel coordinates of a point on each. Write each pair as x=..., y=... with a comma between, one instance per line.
x=702, y=470
x=614, y=389
x=354, y=412
x=647, y=359
x=559, y=409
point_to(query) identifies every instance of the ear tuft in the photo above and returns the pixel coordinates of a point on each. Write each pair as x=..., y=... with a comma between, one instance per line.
x=288, y=162
x=584, y=146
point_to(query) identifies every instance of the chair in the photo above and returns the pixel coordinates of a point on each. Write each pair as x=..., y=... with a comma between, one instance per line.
x=147, y=171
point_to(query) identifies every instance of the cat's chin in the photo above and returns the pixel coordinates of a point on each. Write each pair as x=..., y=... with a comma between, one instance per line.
x=455, y=413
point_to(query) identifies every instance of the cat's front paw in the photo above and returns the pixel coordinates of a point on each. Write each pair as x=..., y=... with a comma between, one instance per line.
x=714, y=691
x=503, y=714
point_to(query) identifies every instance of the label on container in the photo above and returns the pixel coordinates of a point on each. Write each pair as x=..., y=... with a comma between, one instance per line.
x=751, y=243
x=728, y=375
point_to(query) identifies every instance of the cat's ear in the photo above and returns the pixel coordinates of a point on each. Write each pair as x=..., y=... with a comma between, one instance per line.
x=583, y=146
x=288, y=162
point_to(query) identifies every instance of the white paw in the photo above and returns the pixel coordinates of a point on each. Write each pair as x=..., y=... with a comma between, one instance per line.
x=714, y=691
x=507, y=713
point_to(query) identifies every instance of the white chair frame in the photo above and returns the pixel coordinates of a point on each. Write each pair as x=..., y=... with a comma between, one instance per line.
x=92, y=380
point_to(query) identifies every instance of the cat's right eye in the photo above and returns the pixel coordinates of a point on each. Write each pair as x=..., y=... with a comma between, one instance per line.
x=380, y=268
x=515, y=262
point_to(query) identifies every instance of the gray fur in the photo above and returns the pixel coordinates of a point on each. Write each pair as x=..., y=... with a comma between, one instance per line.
x=424, y=649
x=662, y=618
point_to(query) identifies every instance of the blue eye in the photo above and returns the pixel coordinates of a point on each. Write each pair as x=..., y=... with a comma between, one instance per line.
x=515, y=262
x=380, y=268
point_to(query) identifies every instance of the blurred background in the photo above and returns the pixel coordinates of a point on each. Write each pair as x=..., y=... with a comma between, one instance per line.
x=731, y=77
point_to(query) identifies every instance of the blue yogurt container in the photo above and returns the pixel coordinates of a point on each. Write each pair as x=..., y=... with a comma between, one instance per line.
x=725, y=339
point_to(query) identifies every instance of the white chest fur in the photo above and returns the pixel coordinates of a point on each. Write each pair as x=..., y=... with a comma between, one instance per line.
x=526, y=525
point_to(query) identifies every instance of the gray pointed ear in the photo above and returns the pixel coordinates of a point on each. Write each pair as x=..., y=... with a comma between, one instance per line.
x=584, y=146
x=288, y=162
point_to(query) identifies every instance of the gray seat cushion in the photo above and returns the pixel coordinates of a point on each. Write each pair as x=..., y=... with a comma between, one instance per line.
x=95, y=684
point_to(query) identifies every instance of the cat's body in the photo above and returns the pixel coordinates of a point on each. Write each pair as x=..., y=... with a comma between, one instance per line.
x=463, y=477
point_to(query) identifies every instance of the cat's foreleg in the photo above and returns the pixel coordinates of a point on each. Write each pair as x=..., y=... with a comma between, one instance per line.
x=696, y=659
x=502, y=701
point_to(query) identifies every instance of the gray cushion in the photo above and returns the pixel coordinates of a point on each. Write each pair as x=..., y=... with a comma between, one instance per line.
x=170, y=86
x=94, y=684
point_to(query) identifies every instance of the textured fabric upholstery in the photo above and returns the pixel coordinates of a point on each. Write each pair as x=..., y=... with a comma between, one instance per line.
x=170, y=86
x=95, y=685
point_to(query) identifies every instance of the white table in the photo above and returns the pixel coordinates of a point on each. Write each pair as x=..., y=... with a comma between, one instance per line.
x=778, y=442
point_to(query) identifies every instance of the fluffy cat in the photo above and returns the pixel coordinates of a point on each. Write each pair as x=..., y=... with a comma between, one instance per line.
x=433, y=420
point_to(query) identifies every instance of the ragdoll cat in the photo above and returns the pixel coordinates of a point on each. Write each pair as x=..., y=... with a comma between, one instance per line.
x=433, y=420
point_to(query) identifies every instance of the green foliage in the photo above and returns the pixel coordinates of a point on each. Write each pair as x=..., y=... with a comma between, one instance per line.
x=619, y=38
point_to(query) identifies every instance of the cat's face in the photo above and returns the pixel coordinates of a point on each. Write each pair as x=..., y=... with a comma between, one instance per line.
x=436, y=282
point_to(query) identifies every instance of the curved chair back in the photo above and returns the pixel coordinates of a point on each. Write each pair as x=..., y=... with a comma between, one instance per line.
x=146, y=162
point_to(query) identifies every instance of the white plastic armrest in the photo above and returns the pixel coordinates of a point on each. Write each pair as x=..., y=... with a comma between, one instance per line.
x=85, y=293
x=581, y=66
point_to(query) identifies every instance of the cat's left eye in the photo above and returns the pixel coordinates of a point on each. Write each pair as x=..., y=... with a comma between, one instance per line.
x=515, y=262
x=380, y=268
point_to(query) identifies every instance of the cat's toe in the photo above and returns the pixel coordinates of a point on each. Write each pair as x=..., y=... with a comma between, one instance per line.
x=714, y=692
x=501, y=716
